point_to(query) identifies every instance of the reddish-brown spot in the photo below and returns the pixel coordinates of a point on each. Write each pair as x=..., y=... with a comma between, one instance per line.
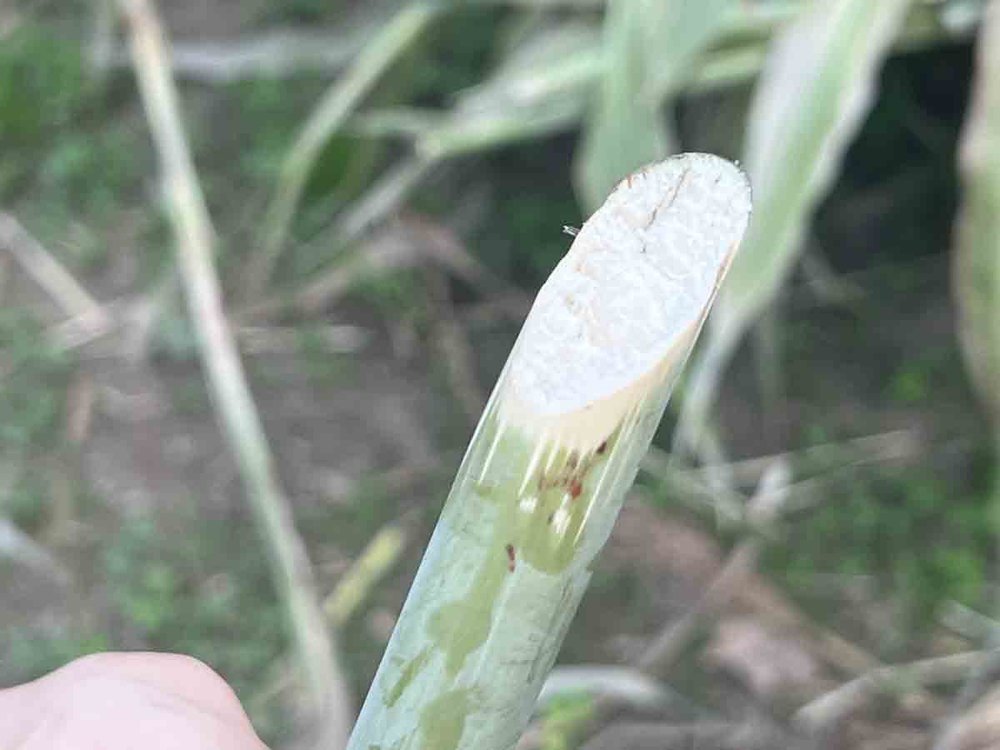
x=602, y=447
x=511, y=558
x=575, y=488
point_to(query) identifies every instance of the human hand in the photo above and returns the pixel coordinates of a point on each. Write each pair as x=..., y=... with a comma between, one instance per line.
x=133, y=701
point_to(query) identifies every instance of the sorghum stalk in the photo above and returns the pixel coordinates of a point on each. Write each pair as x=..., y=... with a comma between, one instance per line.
x=555, y=452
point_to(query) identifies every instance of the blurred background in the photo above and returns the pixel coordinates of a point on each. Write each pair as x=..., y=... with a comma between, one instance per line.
x=388, y=184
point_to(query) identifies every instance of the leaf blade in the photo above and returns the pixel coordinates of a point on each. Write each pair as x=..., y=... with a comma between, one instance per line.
x=816, y=88
x=977, y=251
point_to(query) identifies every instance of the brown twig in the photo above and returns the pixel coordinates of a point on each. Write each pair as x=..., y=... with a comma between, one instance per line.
x=335, y=339
x=832, y=707
x=69, y=294
x=663, y=651
x=236, y=409
x=65, y=476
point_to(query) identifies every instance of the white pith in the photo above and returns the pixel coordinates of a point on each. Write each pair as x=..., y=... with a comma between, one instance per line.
x=626, y=299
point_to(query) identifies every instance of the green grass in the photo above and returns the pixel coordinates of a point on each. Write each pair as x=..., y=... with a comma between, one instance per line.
x=925, y=540
x=77, y=161
x=32, y=386
x=28, y=655
x=42, y=85
x=205, y=592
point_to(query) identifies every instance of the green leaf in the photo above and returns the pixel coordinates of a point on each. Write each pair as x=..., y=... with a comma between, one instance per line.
x=625, y=129
x=977, y=257
x=538, y=88
x=331, y=113
x=679, y=31
x=650, y=47
x=816, y=87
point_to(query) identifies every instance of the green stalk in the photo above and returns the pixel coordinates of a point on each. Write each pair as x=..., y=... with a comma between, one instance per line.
x=977, y=250
x=558, y=446
x=329, y=696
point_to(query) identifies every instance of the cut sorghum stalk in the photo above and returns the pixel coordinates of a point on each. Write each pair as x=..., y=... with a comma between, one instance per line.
x=549, y=465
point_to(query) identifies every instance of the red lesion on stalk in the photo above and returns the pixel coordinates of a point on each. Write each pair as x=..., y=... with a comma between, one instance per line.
x=511, y=558
x=570, y=476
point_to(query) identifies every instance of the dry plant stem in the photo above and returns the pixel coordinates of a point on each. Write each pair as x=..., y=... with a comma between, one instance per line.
x=454, y=347
x=371, y=566
x=894, y=445
x=664, y=651
x=334, y=339
x=555, y=451
x=832, y=647
x=51, y=275
x=969, y=623
x=274, y=55
x=23, y=549
x=67, y=471
x=330, y=115
x=692, y=487
x=824, y=712
x=379, y=556
x=384, y=197
x=231, y=395
x=976, y=684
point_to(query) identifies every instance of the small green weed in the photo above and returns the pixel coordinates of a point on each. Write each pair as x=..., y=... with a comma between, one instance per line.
x=562, y=720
